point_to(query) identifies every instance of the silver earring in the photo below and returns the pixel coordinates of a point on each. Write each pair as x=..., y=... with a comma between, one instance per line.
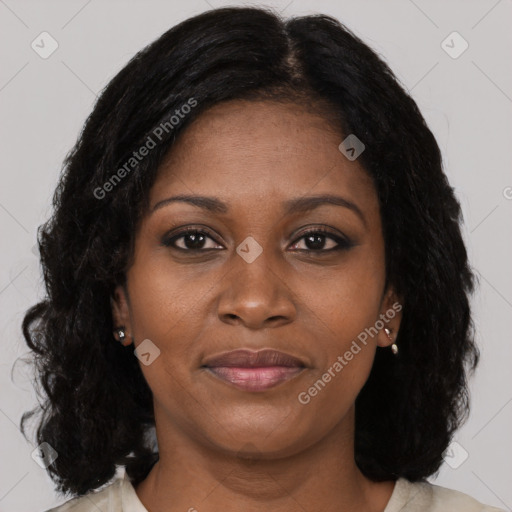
x=121, y=333
x=394, y=347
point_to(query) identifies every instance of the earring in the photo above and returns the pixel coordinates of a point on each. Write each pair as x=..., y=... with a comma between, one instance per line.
x=394, y=346
x=121, y=334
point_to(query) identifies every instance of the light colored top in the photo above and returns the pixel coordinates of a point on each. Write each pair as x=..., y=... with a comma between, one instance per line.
x=120, y=496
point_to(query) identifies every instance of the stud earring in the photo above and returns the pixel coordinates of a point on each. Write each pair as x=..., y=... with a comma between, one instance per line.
x=394, y=346
x=121, y=334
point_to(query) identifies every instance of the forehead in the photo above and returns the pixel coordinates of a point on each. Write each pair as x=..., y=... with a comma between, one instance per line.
x=247, y=151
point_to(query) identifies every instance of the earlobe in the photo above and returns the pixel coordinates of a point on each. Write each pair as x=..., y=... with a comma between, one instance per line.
x=391, y=316
x=394, y=346
x=120, y=316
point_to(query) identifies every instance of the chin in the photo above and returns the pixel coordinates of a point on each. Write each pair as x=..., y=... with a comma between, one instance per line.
x=264, y=441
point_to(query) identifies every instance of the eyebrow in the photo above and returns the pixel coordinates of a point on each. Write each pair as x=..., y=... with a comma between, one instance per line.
x=296, y=205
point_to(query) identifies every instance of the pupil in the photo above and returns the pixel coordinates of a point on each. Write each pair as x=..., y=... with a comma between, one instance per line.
x=317, y=241
x=197, y=240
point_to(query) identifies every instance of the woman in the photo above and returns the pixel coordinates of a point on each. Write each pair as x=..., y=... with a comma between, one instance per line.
x=255, y=251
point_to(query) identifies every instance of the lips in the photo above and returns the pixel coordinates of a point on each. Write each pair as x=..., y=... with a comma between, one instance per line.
x=254, y=371
x=243, y=358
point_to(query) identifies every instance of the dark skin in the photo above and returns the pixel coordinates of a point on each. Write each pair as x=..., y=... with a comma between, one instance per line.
x=222, y=448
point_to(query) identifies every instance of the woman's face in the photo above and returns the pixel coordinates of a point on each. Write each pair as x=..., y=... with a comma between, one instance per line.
x=254, y=279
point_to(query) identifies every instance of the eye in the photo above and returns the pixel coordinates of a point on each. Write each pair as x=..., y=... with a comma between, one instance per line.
x=194, y=239
x=316, y=241
x=190, y=239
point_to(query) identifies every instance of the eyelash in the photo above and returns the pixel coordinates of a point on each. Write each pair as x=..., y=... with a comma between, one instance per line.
x=343, y=243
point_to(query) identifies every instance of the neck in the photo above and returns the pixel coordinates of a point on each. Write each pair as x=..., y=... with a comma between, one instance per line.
x=191, y=475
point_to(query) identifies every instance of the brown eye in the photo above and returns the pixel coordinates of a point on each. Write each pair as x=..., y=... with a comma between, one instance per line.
x=190, y=239
x=316, y=241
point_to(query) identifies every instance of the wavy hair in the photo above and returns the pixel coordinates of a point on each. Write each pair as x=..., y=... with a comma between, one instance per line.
x=97, y=409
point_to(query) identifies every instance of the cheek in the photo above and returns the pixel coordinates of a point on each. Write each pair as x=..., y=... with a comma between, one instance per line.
x=168, y=308
x=343, y=308
x=162, y=301
x=332, y=392
x=346, y=301
x=345, y=345
x=163, y=311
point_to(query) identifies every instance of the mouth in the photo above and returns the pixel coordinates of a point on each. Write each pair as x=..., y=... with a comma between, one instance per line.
x=254, y=371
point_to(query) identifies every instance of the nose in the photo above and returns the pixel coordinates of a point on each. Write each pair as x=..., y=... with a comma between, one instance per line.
x=256, y=295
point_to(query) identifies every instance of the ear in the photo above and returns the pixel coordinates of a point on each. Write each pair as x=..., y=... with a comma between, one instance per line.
x=121, y=314
x=391, y=317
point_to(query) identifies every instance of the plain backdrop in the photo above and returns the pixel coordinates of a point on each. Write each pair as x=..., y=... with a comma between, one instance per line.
x=465, y=97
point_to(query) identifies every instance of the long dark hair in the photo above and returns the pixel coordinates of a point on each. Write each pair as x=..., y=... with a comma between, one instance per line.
x=98, y=409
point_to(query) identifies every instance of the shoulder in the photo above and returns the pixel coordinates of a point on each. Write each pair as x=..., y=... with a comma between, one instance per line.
x=106, y=498
x=427, y=497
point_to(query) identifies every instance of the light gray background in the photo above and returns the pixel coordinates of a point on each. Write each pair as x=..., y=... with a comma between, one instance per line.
x=466, y=101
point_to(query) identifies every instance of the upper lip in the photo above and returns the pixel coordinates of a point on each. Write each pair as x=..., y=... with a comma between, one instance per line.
x=252, y=359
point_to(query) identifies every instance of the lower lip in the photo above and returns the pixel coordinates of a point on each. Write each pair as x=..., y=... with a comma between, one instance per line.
x=255, y=379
